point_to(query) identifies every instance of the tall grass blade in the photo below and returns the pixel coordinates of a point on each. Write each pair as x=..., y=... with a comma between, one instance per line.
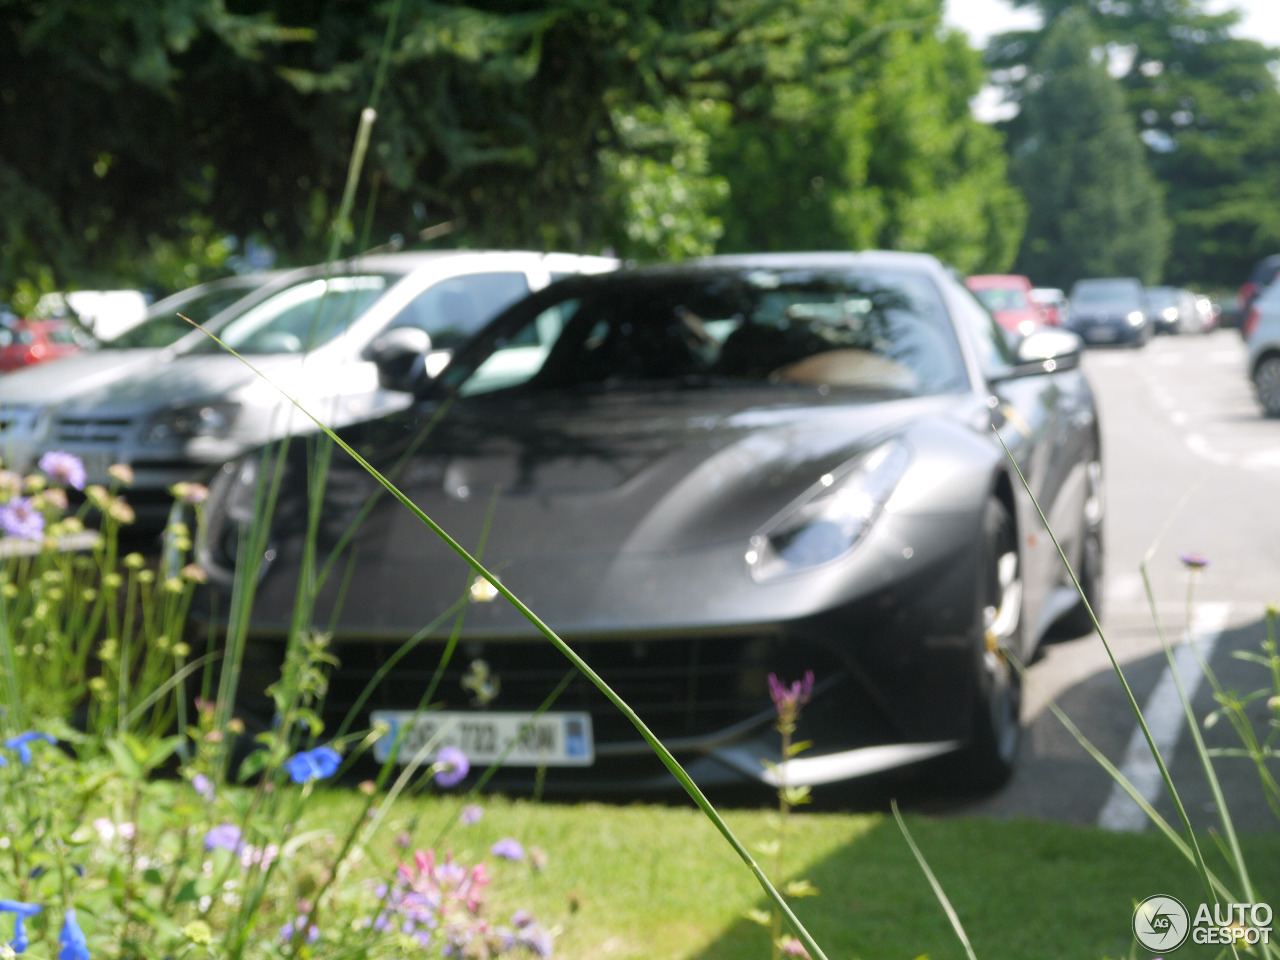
x=938, y=892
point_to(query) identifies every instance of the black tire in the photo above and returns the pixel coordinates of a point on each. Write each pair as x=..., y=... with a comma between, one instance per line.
x=1087, y=566
x=987, y=759
x=1266, y=382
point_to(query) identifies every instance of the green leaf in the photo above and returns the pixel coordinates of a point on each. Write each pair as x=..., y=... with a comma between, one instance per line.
x=761, y=917
x=153, y=876
x=799, y=888
x=126, y=762
x=187, y=893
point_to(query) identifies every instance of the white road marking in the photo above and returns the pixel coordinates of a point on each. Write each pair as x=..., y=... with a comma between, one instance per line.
x=1164, y=716
x=1123, y=587
x=1225, y=357
x=1198, y=445
x=1178, y=418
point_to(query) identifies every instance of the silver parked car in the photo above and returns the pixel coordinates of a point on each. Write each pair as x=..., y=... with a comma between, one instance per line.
x=1261, y=329
x=315, y=338
x=27, y=396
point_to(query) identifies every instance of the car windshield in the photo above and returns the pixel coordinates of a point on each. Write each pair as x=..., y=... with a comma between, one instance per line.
x=885, y=332
x=1114, y=293
x=164, y=327
x=1002, y=298
x=302, y=317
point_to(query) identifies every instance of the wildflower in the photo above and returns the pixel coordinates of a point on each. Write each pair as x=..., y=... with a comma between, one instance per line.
x=251, y=856
x=191, y=493
x=19, y=518
x=537, y=858
x=508, y=848
x=791, y=947
x=56, y=498
x=20, y=742
x=451, y=766
x=226, y=836
x=290, y=930
x=120, y=511
x=317, y=764
x=71, y=939
x=63, y=468
x=195, y=573
x=21, y=912
x=1194, y=561
x=10, y=484
x=121, y=472
x=471, y=813
x=788, y=700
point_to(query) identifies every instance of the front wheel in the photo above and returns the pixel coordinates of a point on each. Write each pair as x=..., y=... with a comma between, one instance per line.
x=987, y=759
x=1266, y=381
x=1088, y=569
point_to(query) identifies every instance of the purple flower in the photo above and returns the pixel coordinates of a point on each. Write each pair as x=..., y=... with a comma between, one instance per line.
x=317, y=764
x=65, y=469
x=1194, y=561
x=788, y=700
x=226, y=836
x=508, y=848
x=203, y=786
x=71, y=939
x=451, y=766
x=471, y=814
x=21, y=912
x=18, y=518
x=290, y=930
x=20, y=742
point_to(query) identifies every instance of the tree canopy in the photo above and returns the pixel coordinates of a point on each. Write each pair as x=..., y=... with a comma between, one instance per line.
x=141, y=136
x=1207, y=106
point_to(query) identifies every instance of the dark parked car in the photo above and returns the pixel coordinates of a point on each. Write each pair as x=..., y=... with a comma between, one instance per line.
x=700, y=476
x=1174, y=310
x=1260, y=277
x=1110, y=310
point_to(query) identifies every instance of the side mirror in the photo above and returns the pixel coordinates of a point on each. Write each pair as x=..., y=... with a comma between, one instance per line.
x=400, y=356
x=1048, y=349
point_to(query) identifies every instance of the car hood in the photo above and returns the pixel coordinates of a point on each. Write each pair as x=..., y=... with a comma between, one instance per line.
x=193, y=379
x=67, y=377
x=607, y=512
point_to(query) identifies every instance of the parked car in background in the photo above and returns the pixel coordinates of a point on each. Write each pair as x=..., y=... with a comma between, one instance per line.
x=27, y=395
x=1260, y=277
x=1173, y=310
x=103, y=313
x=1053, y=304
x=24, y=343
x=1261, y=331
x=1210, y=313
x=1110, y=310
x=316, y=336
x=701, y=475
x=1008, y=297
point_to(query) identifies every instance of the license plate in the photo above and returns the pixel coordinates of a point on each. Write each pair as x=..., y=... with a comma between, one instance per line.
x=551, y=740
x=1102, y=333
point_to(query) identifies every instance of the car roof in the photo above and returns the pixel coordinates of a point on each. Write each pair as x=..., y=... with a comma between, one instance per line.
x=998, y=280
x=824, y=258
x=408, y=261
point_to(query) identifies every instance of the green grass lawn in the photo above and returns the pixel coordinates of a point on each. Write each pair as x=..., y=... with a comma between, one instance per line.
x=645, y=881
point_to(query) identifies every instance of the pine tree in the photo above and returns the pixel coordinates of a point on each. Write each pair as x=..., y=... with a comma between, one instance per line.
x=1095, y=209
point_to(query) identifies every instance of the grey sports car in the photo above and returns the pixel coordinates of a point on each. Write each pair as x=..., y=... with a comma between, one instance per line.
x=700, y=476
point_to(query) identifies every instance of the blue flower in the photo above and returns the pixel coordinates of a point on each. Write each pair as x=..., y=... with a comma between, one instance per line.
x=19, y=518
x=317, y=764
x=64, y=468
x=20, y=742
x=21, y=912
x=451, y=766
x=203, y=786
x=71, y=939
x=223, y=837
x=471, y=813
x=508, y=848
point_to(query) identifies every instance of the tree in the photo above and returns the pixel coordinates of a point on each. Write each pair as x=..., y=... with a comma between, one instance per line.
x=1095, y=208
x=891, y=158
x=1208, y=108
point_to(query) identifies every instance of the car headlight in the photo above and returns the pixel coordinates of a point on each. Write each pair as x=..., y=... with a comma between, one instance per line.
x=831, y=517
x=1135, y=318
x=1170, y=313
x=195, y=420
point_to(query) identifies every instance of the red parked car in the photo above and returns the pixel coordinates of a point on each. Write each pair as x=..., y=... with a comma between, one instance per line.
x=1008, y=297
x=27, y=342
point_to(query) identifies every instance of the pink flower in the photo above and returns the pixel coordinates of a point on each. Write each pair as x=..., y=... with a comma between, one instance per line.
x=788, y=700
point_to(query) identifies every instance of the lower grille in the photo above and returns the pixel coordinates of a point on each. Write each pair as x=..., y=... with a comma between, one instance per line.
x=684, y=687
x=91, y=429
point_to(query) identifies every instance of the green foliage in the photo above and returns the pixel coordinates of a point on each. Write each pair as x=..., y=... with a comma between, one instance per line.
x=1095, y=208
x=141, y=135
x=1207, y=105
x=891, y=157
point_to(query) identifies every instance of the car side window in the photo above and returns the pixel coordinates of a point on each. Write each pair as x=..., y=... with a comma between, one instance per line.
x=990, y=342
x=454, y=309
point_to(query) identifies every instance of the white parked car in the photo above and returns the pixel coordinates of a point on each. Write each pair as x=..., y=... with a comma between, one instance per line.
x=315, y=337
x=1261, y=330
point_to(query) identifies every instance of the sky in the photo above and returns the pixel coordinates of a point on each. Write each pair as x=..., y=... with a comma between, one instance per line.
x=981, y=18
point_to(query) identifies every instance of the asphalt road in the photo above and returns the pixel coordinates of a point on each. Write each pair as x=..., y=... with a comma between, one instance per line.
x=1190, y=468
